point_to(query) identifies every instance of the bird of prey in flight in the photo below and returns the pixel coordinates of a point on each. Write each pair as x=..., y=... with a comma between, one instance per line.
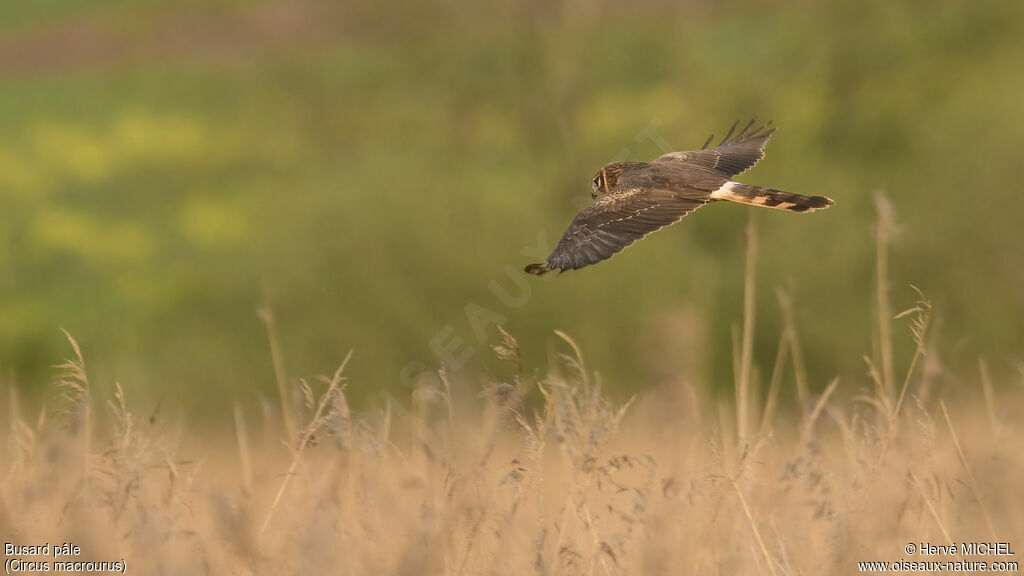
x=634, y=199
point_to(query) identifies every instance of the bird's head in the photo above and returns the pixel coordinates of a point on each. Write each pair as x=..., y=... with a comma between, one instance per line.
x=607, y=178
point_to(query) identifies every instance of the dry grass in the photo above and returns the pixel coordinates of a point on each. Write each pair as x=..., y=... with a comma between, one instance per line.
x=494, y=483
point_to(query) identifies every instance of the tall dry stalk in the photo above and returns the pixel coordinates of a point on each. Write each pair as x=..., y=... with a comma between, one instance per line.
x=76, y=393
x=775, y=383
x=280, y=376
x=244, y=457
x=883, y=236
x=753, y=527
x=819, y=407
x=990, y=397
x=747, y=345
x=315, y=424
x=967, y=468
x=803, y=395
x=918, y=329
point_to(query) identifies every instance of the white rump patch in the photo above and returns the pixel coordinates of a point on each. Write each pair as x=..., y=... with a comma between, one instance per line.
x=725, y=192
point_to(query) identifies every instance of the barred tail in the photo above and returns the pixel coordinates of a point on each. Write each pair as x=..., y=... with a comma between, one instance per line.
x=758, y=196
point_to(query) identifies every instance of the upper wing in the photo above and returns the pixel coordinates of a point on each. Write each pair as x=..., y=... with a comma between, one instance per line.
x=604, y=228
x=735, y=154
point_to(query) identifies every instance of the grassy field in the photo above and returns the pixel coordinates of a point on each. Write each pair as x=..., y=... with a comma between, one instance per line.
x=281, y=244
x=167, y=169
x=539, y=473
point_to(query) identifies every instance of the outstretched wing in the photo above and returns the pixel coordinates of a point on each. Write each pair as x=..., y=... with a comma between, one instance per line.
x=735, y=154
x=604, y=228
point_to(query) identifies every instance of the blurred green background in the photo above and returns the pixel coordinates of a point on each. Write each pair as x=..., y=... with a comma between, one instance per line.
x=367, y=170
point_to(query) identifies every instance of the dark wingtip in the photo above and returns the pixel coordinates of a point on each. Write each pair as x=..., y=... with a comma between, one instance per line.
x=538, y=269
x=748, y=132
x=729, y=133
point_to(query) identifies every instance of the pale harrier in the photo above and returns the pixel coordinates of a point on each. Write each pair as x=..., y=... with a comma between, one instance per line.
x=638, y=198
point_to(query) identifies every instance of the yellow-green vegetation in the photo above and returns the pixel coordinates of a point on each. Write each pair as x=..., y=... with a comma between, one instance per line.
x=285, y=242
x=366, y=171
x=457, y=479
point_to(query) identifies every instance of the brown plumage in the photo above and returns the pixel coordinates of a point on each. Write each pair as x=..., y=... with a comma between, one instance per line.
x=637, y=198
